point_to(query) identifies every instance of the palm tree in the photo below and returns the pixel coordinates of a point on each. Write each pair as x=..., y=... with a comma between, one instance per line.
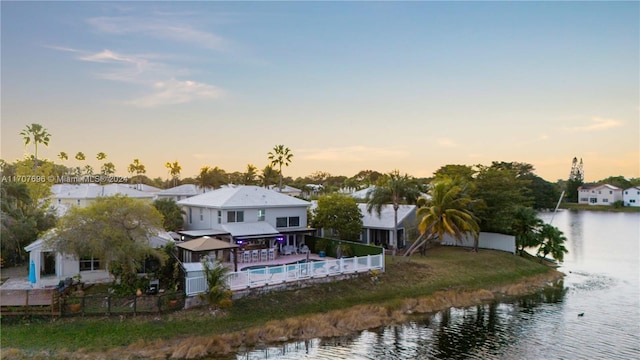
x=446, y=213
x=38, y=134
x=280, y=156
x=80, y=157
x=268, y=176
x=174, y=171
x=552, y=242
x=525, y=228
x=108, y=169
x=101, y=156
x=395, y=189
x=138, y=168
x=63, y=156
x=249, y=177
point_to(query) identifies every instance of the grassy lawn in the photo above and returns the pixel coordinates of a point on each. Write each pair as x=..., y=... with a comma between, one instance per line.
x=609, y=208
x=442, y=268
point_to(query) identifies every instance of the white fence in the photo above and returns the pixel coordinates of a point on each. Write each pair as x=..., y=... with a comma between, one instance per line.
x=271, y=275
x=486, y=240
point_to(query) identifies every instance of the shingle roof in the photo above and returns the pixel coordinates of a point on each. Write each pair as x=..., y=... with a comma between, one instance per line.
x=243, y=197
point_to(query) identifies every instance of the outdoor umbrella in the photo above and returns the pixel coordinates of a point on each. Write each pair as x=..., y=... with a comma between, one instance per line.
x=32, y=272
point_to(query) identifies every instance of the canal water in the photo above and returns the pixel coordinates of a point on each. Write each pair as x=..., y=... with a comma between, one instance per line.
x=593, y=314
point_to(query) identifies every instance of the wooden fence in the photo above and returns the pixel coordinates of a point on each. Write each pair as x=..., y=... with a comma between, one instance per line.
x=30, y=302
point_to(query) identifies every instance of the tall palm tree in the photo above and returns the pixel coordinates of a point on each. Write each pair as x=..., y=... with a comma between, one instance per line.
x=38, y=134
x=395, y=189
x=446, y=213
x=249, y=177
x=138, y=168
x=174, y=171
x=280, y=156
x=101, y=156
x=63, y=156
x=80, y=157
x=108, y=169
x=268, y=176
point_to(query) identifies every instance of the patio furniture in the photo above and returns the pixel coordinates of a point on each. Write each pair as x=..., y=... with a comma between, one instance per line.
x=272, y=254
x=287, y=250
x=304, y=249
x=263, y=255
x=254, y=255
x=246, y=256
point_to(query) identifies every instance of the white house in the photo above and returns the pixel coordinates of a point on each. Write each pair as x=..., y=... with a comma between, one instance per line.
x=599, y=194
x=247, y=215
x=52, y=267
x=180, y=192
x=631, y=196
x=286, y=189
x=66, y=195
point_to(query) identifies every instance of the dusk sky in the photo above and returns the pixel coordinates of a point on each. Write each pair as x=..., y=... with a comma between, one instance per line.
x=348, y=86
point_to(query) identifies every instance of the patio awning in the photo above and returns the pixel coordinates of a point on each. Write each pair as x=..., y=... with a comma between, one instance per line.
x=251, y=230
x=206, y=243
x=199, y=233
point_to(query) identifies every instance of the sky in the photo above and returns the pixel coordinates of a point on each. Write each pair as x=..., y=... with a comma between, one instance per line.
x=347, y=86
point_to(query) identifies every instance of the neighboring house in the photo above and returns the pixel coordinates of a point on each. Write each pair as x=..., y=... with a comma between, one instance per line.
x=247, y=215
x=180, y=192
x=145, y=188
x=52, y=267
x=66, y=195
x=362, y=194
x=598, y=194
x=286, y=189
x=631, y=196
x=379, y=230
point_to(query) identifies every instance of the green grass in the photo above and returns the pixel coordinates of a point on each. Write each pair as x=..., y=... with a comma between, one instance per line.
x=609, y=208
x=442, y=268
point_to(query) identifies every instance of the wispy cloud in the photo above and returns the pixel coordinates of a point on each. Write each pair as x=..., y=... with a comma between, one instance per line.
x=598, y=124
x=350, y=153
x=164, y=28
x=177, y=92
x=446, y=143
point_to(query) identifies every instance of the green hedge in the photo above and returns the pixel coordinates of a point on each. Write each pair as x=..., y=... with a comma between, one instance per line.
x=330, y=246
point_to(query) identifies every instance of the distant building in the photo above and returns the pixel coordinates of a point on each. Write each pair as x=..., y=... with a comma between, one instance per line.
x=631, y=196
x=599, y=194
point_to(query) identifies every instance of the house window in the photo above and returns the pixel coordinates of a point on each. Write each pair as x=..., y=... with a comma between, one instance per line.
x=281, y=222
x=294, y=221
x=190, y=216
x=593, y=200
x=201, y=215
x=219, y=216
x=235, y=216
x=78, y=201
x=584, y=199
x=610, y=192
x=261, y=214
x=89, y=263
x=632, y=201
x=605, y=200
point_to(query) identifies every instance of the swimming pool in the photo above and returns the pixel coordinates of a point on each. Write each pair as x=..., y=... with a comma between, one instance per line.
x=275, y=269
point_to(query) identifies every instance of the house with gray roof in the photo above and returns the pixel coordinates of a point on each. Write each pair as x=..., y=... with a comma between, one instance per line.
x=247, y=215
x=599, y=194
x=631, y=196
x=65, y=196
x=180, y=192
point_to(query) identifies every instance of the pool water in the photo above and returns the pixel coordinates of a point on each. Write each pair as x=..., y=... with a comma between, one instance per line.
x=263, y=269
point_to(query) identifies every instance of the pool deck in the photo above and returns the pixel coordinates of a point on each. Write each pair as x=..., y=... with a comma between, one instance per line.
x=281, y=260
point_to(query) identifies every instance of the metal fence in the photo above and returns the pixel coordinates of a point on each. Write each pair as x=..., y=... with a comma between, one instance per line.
x=270, y=275
x=108, y=304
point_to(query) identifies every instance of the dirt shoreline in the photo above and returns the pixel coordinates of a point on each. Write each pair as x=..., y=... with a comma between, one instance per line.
x=334, y=323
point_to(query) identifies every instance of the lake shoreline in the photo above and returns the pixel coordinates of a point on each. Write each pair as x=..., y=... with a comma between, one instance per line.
x=446, y=277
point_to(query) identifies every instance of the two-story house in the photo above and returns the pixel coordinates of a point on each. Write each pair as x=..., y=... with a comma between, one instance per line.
x=631, y=196
x=247, y=215
x=65, y=196
x=599, y=194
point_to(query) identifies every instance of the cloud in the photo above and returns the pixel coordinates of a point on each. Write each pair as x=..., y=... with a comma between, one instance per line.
x=598, y=124
x=164, y=28
x=355, y=153
x=446, y=143
x=177, y=92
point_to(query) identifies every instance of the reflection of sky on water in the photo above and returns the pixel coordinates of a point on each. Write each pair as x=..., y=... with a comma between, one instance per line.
x=603, y=282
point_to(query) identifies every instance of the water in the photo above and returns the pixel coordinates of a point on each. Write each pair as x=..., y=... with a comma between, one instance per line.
x=602, y=283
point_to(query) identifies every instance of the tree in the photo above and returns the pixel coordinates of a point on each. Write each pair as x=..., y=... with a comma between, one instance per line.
x=172, y=214
x=576, y=179
x=80, y=157
x=525, y=227
x=217, y=292
x=174, y=171
x=339, y=213
x=618, y=181
x=455, y=171
x=108, y=169
x=447, y=212
x=101, y=156
x=280, y=156
x=114, y=229
x=552, y=242
x=395, y=189
x=498, y=191
x=37, y=134
x=63, y=156
x=211, y=178
x=269, y=176
x=136, y=167
x=249, y=177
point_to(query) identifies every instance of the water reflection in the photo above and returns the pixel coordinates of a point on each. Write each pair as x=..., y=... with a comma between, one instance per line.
x=476, y=332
